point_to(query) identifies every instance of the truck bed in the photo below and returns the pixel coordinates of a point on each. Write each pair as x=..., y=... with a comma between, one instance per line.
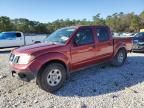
x=126, y=41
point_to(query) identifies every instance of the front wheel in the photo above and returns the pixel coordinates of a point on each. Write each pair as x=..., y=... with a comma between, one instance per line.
x=52, y=78
x=120, y=58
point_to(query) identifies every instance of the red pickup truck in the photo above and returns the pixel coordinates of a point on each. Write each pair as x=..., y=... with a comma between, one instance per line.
x=65, y=51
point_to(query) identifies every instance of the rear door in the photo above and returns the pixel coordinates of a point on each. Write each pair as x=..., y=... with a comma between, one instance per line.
x=82, y=52
x=104, y=43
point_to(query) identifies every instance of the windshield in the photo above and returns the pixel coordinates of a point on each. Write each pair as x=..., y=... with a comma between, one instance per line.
x=1, y=36
x=139, y=35
x=60, y=36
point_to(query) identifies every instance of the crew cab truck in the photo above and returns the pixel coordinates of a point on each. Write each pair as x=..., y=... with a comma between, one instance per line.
x=65, y=51
x=16, y=39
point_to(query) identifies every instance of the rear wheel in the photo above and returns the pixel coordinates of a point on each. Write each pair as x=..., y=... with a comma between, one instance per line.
x=120, y=58
x=52, y=78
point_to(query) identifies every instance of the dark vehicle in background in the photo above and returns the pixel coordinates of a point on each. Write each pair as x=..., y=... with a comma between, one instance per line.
x=138, y=42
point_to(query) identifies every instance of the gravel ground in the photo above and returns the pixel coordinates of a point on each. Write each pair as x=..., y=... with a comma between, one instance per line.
x=97, y=87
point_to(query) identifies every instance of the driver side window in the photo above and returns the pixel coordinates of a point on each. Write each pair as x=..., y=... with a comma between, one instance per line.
x=84, y=36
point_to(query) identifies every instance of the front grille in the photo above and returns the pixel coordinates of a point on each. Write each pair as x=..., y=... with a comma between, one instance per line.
x=11, y=57
x=14, y=59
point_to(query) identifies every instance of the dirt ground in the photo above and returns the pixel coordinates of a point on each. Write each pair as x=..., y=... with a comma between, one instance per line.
x=96, y=87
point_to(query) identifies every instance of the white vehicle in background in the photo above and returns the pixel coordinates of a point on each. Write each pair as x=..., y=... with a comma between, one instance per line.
x=16, y=39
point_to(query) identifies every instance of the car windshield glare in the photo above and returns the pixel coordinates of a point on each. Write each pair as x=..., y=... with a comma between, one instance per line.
x=60, y=36
x=1, y=36
x=140, y=34
x=7, y=35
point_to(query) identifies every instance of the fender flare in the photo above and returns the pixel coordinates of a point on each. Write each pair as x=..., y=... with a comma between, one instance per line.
x=44, y=59
x=123, y=46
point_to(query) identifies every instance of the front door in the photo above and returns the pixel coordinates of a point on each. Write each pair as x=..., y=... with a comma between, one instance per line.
x=82, y=50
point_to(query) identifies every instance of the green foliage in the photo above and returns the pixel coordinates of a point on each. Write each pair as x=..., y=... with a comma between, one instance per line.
x=5, y=24
x=97, y=20
x=135, y=24
x=118, y=22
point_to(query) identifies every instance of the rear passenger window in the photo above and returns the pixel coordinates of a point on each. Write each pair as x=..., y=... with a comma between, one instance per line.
x=102, y=34
x=18, y=34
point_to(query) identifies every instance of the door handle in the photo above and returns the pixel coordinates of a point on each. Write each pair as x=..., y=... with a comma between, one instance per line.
x=109, y=43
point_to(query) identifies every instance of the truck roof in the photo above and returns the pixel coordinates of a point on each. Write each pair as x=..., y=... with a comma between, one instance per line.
x=12, y=32
x=77, y=26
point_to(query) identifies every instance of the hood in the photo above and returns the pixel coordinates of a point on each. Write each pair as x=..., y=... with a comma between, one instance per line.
x=37, y=48
x=139, y=39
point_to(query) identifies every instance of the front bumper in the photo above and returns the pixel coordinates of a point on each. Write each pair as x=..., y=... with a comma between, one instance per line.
x=25, y=72
x=138, y=47
x=24, y=76
x=138, y=50
x=22, y=72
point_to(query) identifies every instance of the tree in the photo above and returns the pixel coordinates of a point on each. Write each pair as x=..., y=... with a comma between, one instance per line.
x=97, y=20
x=135, y=24
x=142, y=19
x=23, y=25
x=118, y=22
x=5, y=24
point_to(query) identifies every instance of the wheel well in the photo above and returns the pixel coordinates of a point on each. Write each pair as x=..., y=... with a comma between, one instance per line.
x=123, y=48
x=53, y=61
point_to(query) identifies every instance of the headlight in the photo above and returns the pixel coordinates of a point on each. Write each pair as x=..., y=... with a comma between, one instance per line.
x=24, y=59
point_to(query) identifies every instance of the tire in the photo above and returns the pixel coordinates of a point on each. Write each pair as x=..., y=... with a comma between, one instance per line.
x=120, y=58
x=52, y=78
